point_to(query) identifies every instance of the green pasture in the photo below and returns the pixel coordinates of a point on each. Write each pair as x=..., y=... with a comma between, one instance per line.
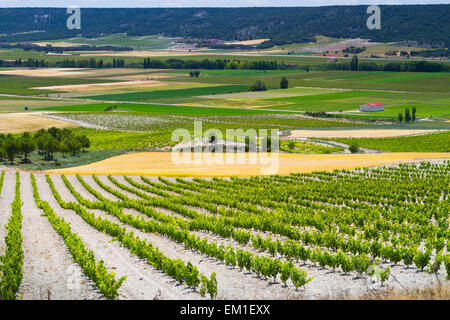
x=434, y=142
x=162, y=94
x=361, y=80
x=422, y=111
x=154, y=108
x=351, y=100
x=21, y=85
x=11, y=104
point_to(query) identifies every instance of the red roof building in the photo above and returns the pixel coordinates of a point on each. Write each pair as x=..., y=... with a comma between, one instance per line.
x=372, y=107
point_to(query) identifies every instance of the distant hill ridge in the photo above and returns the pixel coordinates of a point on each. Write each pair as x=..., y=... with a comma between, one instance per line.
x=424, y=23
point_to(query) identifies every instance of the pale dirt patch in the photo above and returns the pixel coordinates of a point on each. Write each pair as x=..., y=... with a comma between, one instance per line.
x=6, y=197
x=58, y=44
x=356, y=133
x=248, y=42
x=160, y=164
x=146, y=76
x=48, y=269
x=105, y=86
x=44, y=72
x=337, y=46
x=22, y=122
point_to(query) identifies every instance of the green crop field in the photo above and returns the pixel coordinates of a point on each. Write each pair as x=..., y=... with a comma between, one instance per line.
x=21, y=85
x=434, y=142
x=157, y=108
x=170, y=94
x=422, y=111
x=375, y=80
x=350, y=100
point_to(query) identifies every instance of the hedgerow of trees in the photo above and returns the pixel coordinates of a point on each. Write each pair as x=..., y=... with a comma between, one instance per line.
x=223, y=64
x=47, y=142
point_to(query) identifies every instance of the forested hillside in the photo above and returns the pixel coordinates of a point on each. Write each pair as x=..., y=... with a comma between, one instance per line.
x=424, y=23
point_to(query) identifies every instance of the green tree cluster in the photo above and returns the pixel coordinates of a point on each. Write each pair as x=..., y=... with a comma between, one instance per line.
x=258, y=86
x=47, y=142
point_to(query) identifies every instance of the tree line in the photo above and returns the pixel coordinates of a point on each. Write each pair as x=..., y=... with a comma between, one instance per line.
x=47, y=142
x=409, y=116
x=218, y=64
x=406, y=66
x=232, y=64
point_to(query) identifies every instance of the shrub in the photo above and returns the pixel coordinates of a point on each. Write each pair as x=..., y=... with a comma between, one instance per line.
x=258, y=86
x=353, y=148
x=284, y=83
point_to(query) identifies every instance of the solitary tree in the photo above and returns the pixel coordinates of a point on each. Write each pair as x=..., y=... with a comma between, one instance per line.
x=400, y=117
x=258, y=86
x=413, y=114
x=353, y=148
x=291, y=145
x=284, y=83
x=354, y=63
x=407, y=115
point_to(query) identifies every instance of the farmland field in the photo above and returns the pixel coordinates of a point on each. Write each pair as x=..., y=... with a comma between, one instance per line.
x=152, y=233
x=160, y=163
x=436, y=142
x=351, y=205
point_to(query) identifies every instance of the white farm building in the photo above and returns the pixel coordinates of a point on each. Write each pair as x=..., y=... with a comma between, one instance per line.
x=371, y=107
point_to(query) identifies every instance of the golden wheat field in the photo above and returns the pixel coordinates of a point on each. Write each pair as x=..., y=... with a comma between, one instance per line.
x=22, y=122
x=162, y=164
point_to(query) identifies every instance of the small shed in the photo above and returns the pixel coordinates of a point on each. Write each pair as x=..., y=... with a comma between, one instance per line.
x=371, y=107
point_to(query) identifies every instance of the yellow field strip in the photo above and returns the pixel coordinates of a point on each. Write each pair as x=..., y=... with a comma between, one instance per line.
x=161, y=164
x=22, y=122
